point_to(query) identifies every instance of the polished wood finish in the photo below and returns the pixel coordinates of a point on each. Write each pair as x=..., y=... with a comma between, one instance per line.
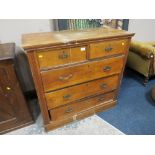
x=70, y=94
x=73, y=70
x=81, y=115
x=81, y=73
x=5, y=49
x=38, y=85
x=74, y=37
x=108, y=48
x=72, y=109
x=50, y=58
x=14, y=111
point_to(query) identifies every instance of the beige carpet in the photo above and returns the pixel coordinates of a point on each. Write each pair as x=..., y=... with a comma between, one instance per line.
x=93, y=125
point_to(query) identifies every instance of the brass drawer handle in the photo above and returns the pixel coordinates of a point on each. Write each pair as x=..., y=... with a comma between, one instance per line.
x=108, y=49
x=107, y=68
x=67, y=96
x=63, y=56
x=69, y=110
x=103, y=86
x=65, y=77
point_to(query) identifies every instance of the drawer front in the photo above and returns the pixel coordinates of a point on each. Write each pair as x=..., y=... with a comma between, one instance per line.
x=59, y=78
x=108, y=48
x=52, y=58
x=76, y=107
x=67, y=95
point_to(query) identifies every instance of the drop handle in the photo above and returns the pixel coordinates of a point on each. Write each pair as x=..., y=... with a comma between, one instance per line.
x=107, y=68
x=67, y=96
x=64, y=56
x=62, y=78
x=108, y=49
x=70, y=109
x=103, y=86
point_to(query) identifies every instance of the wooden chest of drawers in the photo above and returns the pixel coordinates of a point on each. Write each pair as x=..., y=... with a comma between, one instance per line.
x=76, y=73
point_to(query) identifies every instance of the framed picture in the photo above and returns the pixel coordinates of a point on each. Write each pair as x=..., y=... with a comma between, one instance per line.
x=73, y=24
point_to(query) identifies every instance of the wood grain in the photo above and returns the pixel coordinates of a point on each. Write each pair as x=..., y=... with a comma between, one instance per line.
x=50, y=58
x=70, y=94
x=5, y=49
x=14, y=111
x=57, y=38
x=38, y=85
x=81, y=115
x=108, y=48
x=69, y=88
x=81, y=73
x=72, y=109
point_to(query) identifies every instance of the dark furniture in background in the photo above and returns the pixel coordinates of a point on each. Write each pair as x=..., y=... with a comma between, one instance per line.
x=14, y=111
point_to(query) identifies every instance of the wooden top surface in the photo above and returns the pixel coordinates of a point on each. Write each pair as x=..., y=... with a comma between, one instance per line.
x=34, y=40
x=7, y=51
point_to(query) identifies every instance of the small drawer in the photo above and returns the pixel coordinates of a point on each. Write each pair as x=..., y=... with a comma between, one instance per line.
x=108, y=48
x=72, y=75
x=52, y=58
x=72, y=109
x=67, y=95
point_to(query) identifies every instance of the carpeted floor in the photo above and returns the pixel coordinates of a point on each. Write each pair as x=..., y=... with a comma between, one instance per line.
x=135, y=112
x=93, y=125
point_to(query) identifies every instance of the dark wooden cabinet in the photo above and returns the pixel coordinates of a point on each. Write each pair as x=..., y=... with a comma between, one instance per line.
x=14, y=112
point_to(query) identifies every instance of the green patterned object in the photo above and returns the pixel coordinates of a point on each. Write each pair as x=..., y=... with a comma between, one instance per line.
x=75, y=24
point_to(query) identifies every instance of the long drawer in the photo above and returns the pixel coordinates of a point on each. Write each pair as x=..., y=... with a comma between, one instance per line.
x=50, y=58
x=76, y=107
x=60, y=78
x=70, y=94
x=108, y=48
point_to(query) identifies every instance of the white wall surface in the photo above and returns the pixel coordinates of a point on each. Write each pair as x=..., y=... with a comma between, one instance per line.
x=12, y=29
x=144, y=29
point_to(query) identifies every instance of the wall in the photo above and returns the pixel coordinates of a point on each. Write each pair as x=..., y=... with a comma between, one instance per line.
x=12, y=29
x=144, y=29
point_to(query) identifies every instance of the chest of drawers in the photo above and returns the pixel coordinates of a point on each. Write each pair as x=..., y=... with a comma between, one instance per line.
x=76, y=73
